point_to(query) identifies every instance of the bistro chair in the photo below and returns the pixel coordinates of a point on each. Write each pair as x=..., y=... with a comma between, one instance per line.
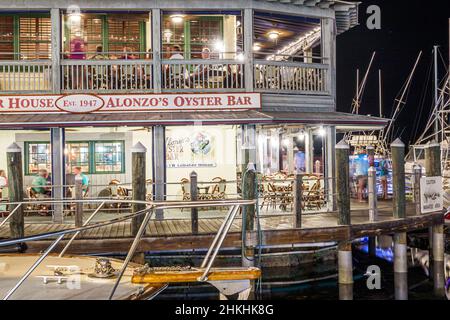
x=219, y=188
x=149, y=184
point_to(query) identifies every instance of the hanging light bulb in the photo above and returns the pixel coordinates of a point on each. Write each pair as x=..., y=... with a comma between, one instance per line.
x=273, y=35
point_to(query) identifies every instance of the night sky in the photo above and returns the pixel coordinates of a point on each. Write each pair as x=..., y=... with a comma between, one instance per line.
x=407, y=26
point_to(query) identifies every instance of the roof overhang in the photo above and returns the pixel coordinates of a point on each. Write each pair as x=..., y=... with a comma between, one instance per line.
x=45, y=120
x=346, y=12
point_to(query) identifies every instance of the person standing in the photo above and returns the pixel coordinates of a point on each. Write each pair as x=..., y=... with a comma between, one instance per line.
x=384, y=172
x=77, y=171
x=361, y=171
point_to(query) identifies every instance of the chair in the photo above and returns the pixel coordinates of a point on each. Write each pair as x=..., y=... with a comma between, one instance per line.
x=313, y=196
x=149, y=184
x=186, y=189
x=219, y=188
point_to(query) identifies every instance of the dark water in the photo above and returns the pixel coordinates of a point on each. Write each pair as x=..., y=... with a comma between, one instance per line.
x=293, y=284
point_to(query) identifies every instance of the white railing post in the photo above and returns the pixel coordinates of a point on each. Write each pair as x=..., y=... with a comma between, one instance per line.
x=156, y=49
x=248, y=49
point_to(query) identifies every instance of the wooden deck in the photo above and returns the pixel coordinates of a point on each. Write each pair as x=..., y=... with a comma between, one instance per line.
x=176, y=234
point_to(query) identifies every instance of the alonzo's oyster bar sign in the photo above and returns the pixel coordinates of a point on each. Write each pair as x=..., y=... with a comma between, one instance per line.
x=88, y=103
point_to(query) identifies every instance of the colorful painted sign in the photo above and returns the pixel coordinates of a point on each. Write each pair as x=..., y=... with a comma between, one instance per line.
x=89, y=103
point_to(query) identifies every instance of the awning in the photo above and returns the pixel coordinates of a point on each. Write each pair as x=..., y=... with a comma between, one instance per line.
x=133, y=119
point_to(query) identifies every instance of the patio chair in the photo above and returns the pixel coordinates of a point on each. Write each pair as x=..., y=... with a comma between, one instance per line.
x=218, y=191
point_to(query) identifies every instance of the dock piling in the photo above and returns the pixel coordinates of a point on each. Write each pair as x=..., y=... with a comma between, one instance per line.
x=138, y=152
x=400, y=266
x=78, y=205
x=194, y=197
x=345, y=271
x=398, y=178
x=298, y=200
x=248, y=219
x=417, y=174
x=15, y=178
x=342, y=183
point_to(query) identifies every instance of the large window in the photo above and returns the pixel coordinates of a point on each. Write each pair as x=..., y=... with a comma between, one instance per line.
x=37, y=156
x=28, y=36
x=112, y=33
x=220, y=32
x=94, y=157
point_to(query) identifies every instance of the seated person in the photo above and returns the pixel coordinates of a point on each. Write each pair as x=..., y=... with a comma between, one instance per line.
x=201, y=71
x=77, y=171
x=40, y=184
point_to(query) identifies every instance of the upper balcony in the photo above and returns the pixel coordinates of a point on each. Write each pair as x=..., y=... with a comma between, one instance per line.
x=176, y=51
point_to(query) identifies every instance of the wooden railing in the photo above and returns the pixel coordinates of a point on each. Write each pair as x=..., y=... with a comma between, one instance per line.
x=106, y=75
x=290, y=77
x=25, y=76
x=177, y=75
x=191, y=75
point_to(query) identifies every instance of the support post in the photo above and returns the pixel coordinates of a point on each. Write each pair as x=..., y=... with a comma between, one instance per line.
x=138, y=181
x=194, y=197
x=417, y=172
x=372, y=189
x=15, y=178
x=78, y=205
x=159, y=166
x=248, y=145
x=248, y=218
x=309, y=151
x=57, y=136
x=298, y=200
x=438, y=260
x=156, y=49
x=432, y=169
x=248, y=49
x=400, y=267
x=330, y=165
x=398, y=178
x=345, y=271
x=55, y=75
x=342, y=183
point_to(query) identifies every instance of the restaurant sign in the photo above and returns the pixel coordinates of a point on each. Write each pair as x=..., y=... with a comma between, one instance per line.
x=89, y=103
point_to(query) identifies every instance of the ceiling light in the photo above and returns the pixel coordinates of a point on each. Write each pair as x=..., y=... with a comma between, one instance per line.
x=177, y=18
x=256, y=47
x=321, y=131
x=273, y=35
x=74, y=17
x=167, y=34
x=219, y=46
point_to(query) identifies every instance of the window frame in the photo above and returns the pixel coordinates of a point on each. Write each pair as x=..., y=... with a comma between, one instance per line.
x=91, y=154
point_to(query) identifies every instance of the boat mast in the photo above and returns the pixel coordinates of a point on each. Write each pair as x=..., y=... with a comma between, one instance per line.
x=380, y=93
x=436, y=118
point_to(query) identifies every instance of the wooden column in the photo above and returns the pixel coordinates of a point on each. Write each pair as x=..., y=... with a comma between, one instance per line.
x=159, y=166
x=398, y=178
x=57, y=137
x=138, y=184
x=194, y=197
x=55, y=17
x=15, y=188
x=400, y=266
x=436, y=232
x=78, y=196
x=417, y=172
x=298, y=200
x=342, y=183
x=248, y=49
x=345, y=271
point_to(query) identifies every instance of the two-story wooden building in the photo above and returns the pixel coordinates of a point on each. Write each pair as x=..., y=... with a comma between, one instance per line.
x=205, y=85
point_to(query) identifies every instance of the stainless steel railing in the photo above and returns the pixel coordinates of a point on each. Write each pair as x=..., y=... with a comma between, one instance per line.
x=148, y=212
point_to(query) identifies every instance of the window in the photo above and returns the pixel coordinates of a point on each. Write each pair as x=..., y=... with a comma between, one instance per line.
x=37, y=157
x=29, y=35
x=77, y=155
x=108, y=157
x=92, y=156
x=125, y=33
x=34, y=37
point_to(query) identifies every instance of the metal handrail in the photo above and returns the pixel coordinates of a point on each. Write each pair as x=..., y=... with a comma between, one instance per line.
x=151, y=207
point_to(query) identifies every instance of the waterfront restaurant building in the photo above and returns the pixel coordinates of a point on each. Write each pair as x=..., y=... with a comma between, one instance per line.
x=204, y=85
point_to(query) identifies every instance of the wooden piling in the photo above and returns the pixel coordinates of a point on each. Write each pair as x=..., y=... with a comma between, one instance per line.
x=438, y=263
x=138, y=152
x=78, y=196
x=342, y=183
x=400, y=266
x=345, y=271
x=15, y=188
x=417, y=174
x=248, y=220
x=194, y=197
x=398, y=178
x=298, y=200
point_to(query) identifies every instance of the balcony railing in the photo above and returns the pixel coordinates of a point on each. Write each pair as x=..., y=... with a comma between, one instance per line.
x=177, y=75
x=25, y=76
x=106, y=75
x=207, y=75
x=290, y=77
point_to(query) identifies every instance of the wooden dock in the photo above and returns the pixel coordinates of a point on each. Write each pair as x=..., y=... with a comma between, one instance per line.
x=175, y=234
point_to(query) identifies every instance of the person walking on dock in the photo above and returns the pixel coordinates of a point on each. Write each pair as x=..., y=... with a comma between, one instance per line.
x=361, y=171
